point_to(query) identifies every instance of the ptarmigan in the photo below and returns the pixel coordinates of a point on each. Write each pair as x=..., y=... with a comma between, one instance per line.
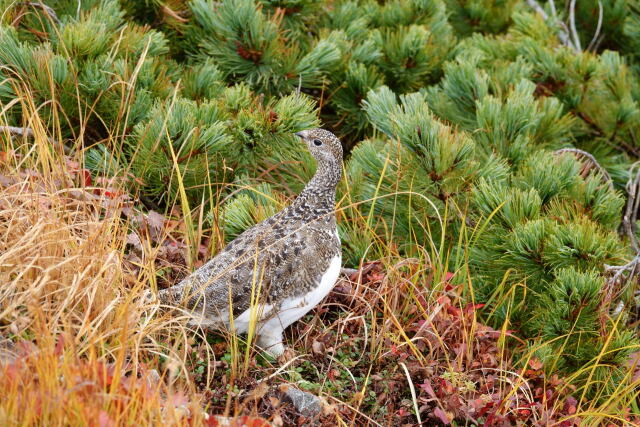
x=279, y=269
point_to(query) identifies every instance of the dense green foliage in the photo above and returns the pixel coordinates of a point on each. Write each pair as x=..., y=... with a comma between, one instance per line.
x=453, y=113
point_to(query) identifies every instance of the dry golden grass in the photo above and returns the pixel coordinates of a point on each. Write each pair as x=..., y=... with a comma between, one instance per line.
x=75, y=332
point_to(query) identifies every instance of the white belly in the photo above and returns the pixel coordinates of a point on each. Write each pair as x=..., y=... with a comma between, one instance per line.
x=294, y=308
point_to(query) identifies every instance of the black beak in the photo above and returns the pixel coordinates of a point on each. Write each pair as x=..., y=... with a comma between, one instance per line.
x=300, y=135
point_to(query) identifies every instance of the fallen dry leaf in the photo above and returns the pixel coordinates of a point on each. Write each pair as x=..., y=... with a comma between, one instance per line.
x=442, y=416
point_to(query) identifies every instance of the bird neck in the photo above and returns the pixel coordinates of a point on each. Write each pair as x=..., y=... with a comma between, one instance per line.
x=320, y=192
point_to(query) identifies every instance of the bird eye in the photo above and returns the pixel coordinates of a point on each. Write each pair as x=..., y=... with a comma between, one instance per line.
x=317, y=142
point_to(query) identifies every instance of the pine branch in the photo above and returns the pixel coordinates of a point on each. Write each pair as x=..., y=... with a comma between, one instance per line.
x=581, y=153
x=623, y=145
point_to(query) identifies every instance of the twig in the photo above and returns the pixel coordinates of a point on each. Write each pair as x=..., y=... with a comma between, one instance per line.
x=594, y=40
x=572, y=23
x=592, y=160
x=563, y=34
x=633, y=203
x=563, y=31
x=534, y=4
x=28, y=132
x=299, y=88
x=629, y=226
x=48, y=10
x=619, y=270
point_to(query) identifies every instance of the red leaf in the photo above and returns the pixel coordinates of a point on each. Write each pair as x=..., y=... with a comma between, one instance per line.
x=112, y=194
x=59, y=346
x=442, y=416
x=443, y=300
x=12, y=371
x=333, y=374
x=211, y=422
x=454, y=311
x=86, y=177
x=446, y=387
x=422, y=301
x=376, y=277
x=105, y=373
x=470, y=308
x=535, y=364
x=253, y=421
x=485, y=409
x=491, y=419
x=570, y=405
x=525, y=413
x=426, y=386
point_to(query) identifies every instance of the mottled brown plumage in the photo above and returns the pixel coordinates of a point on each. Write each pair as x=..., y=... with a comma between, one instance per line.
x=277, y=270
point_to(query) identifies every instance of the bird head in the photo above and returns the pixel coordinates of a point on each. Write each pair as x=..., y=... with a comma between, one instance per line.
x=323, y=145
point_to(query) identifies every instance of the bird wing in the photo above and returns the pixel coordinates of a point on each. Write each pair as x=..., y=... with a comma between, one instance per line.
x=227, y=276
x=295, y=267
x=270, y=261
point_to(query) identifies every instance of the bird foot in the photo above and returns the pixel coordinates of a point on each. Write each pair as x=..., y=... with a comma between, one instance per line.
x=271, y=344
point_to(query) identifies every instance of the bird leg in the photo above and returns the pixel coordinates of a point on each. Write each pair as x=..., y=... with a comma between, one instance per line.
x=271, y=342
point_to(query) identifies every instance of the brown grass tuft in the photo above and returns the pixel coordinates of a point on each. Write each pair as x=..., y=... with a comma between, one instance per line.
x=78, y=341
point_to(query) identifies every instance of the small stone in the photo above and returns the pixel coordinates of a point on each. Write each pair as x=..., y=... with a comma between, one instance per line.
x=305, y=403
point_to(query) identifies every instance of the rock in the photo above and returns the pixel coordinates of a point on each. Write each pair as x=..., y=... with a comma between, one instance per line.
x=305, y=403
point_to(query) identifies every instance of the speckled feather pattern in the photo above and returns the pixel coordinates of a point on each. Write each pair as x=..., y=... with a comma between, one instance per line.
x=282, y=257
